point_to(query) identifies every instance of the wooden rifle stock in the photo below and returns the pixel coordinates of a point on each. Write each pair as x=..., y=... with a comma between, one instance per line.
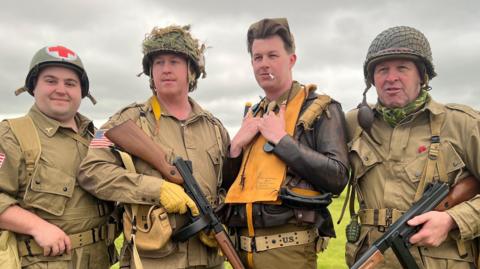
x=373, y=260
x=463, y=191
x=130, y=138
x=228, y=250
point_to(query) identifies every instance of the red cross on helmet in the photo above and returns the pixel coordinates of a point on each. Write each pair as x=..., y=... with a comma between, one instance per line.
x=56, y=56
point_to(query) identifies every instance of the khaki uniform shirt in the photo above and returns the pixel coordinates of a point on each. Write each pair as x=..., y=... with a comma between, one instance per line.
x=194, y=139
x=388, y=174
x=53, y=194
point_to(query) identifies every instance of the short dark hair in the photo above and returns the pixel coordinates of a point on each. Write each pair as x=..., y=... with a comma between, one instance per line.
x=270, y=27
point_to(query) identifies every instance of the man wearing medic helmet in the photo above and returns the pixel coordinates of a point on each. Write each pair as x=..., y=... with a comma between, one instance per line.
x=56, y=223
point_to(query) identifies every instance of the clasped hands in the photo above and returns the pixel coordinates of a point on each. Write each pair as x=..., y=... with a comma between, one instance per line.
x=271, y=126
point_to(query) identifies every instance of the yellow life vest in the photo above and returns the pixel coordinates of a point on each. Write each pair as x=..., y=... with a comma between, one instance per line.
x=264, y=172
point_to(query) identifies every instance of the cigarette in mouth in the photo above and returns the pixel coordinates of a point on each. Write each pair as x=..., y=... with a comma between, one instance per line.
x=271, y=76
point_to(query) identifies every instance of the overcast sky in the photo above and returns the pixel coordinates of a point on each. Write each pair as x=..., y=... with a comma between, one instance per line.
x=332, y=38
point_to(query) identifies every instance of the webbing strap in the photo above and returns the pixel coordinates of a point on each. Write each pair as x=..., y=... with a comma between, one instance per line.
x=434, y=159
x=379, y=217
x=26, y=133
x=128, y=163
x=251, y=231
x=157, y=112
x=75, y=136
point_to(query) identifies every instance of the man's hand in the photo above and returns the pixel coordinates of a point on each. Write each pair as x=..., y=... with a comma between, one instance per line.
x=247, y=132
x=435, y=228
x=272, y=126
x=175, y=200
x=52, y=239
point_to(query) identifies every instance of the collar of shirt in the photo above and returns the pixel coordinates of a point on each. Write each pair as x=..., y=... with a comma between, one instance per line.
x=50, y=126
x=290, y=94
x=197, y=111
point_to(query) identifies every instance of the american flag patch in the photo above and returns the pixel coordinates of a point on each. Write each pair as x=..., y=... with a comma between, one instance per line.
x=100, y=141
x=2, y=158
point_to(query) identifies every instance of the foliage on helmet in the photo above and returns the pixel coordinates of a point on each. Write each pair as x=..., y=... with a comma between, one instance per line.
x=176, y=39
x=399, y=42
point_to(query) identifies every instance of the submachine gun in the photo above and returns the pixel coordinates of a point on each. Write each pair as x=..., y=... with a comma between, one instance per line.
x=130, y=138
x=437, y=196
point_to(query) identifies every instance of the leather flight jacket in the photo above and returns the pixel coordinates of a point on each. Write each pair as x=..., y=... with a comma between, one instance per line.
x=316, y=159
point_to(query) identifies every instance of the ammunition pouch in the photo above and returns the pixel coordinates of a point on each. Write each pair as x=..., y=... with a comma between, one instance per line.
x=150, y=227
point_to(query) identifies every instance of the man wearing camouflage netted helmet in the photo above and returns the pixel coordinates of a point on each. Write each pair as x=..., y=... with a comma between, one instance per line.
x=292, y=142
x=400, y=145
x=174, y=61
x=40, y=201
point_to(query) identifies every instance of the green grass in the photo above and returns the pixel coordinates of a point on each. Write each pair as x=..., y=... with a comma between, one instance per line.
x=333, y=257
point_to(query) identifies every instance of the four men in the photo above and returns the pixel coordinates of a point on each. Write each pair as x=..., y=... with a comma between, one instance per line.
x=283, y=165
x=406, y=141
x=57, y=223
x=294, y=140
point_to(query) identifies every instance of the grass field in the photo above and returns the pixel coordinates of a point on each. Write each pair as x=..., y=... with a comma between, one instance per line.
x=334, y=256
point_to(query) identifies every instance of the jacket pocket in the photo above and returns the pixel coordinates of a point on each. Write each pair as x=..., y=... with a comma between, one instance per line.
x=363, y=157
x=215, y=157
x=452, y=162
x=49, y=190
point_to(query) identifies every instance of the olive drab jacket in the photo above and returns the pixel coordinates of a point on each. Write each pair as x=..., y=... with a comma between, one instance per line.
x=53, y=193
x=388, y=176
x=195, y=139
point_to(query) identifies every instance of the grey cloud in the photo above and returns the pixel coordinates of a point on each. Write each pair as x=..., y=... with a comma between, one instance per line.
x=332, y=39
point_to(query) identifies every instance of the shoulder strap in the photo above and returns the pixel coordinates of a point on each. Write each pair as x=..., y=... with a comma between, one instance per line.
x=26, y=133
x=435, y=158
x=128, y=163
x=314, y=110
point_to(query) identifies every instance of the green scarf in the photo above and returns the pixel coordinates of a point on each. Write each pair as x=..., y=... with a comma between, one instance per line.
x=394, y=116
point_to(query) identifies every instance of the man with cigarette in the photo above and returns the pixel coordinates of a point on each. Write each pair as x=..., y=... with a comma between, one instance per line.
x=292, y=141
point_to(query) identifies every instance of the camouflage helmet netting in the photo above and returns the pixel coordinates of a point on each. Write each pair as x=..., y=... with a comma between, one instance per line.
x=399, y=42
x=175, y=39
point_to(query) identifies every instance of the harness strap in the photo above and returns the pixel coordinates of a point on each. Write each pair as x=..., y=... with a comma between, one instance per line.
x=26, y=133
x=435, y=159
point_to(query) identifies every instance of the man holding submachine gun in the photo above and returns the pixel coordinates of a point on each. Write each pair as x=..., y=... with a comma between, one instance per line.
x=130, y=159
x=415, y=164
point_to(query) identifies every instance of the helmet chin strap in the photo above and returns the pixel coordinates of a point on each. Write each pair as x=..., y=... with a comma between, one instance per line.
x=366, y=116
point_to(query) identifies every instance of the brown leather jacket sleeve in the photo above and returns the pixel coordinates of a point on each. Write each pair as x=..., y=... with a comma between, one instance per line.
x=319, y=155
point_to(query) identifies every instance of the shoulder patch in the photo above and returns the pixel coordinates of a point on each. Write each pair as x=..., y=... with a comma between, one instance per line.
x=2, y=158
x=100, y=141
x=465, y=109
